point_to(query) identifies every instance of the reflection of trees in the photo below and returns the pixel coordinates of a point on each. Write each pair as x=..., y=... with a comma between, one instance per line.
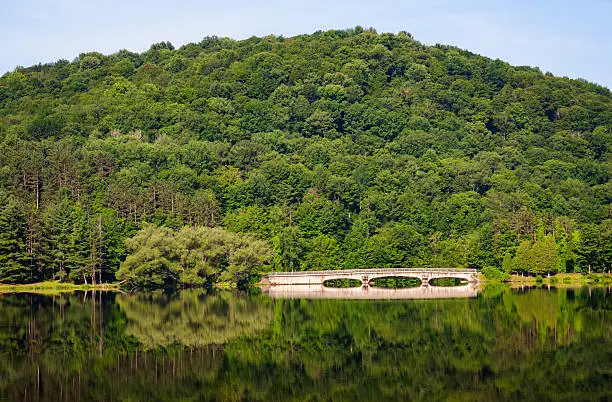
x=46, y=342
x=190, y=318
x=509, y=346
x=505, y=345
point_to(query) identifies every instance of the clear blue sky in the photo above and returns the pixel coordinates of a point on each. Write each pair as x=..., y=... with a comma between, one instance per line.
x=567, y=38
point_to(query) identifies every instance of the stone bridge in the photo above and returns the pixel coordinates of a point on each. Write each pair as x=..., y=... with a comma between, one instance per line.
x=365, y=276
x=366, y=292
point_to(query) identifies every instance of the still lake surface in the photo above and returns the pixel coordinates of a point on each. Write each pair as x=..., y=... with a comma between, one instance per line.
x=538, y=344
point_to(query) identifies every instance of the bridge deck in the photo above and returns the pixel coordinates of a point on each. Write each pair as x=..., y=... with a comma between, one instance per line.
x=377, y=271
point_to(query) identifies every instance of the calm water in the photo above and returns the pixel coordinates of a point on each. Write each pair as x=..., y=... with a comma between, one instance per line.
x=501, y=345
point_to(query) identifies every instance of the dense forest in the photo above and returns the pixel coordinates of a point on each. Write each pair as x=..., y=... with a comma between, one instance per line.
x=339, y=149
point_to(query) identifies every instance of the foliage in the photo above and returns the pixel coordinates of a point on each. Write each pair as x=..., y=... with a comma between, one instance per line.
x=191, y=256
x=494, y=274
x=341, y=149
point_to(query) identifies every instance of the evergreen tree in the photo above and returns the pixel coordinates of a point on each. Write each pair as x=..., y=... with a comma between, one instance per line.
x=13, y=261
x=523, y=261
x=78, y=262
x=58, y=245
x=588, y=249
x=508, y=263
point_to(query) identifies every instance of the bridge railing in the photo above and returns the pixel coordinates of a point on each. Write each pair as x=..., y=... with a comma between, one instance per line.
x=377, y=271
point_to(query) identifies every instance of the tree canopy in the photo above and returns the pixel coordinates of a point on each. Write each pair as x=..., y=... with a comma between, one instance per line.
x=340, y=149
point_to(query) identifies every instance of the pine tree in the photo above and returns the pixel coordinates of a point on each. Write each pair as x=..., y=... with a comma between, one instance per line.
x=507, y=263
x=523, y=260
x=12, y=247
x=561, y=238
x=96, y=248
x=58, y=232
x=34, y=243
x=78, y=262
x=587, y=249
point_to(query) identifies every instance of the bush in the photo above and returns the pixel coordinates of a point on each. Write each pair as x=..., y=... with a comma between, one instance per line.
x=539, y=279
x=594, y=278
x=494, y=274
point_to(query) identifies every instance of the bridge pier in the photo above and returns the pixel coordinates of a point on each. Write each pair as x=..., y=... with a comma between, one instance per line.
x=365, y=281
x=424, y=281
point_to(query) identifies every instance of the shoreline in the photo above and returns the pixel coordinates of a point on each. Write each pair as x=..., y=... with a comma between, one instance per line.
x=55, y=287
x=558, y=281
x=563, y=280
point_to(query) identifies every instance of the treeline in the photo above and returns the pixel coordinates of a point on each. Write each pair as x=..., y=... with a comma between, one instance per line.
x=340, y=149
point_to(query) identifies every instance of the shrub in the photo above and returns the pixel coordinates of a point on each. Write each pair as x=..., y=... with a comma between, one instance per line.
x=494, y=274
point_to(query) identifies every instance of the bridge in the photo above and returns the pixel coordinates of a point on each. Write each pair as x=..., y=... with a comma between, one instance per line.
x=364, y=292
x=365, y=276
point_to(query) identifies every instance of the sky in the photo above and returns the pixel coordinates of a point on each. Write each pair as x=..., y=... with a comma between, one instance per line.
x=567, y=38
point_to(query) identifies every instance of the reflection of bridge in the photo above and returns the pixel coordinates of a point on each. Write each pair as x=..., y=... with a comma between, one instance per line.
x=322, y=292
x=365, y=276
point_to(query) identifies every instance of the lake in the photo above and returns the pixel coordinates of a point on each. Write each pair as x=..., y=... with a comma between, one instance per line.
x=501, y=344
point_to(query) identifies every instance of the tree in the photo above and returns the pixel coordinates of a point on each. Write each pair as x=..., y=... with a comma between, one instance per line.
x=152, y=260
x=287, y=250
x=13, y=268
x=544, y=256
x=78, y=262
x=507, y=263
x=160, y=256
x=592, y=248
x=538, y=258
x=247, y=261
x=322, y=253
x=58, y=233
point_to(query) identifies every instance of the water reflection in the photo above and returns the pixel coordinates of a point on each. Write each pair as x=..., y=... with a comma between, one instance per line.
x=191, y=317
x=501, y=345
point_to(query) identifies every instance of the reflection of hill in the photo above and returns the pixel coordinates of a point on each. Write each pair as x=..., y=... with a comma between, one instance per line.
x=190, y=318
x=505, y=346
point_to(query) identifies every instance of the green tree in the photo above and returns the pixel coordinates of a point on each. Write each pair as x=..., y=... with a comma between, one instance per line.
x=78, y=261
x=58, y=234
x=152, y=260
x=160, y=256
x=13, y=268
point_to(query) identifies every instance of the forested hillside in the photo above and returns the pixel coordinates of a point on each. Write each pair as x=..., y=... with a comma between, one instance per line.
x=340, y=149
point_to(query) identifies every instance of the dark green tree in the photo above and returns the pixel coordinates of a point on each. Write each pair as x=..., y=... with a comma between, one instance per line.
x=13, y=259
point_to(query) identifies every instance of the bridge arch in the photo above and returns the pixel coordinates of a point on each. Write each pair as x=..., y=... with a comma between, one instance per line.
x=396, y=282
x=342, y=283
x=448, y=281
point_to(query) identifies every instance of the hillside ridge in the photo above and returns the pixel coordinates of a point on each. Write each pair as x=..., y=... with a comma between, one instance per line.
x=338, y=149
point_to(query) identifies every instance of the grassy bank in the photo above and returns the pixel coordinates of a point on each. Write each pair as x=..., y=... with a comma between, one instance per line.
x=54, y=287
x=561, y=280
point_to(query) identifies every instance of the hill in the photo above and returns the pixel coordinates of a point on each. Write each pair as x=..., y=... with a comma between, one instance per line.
x=344, y=148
